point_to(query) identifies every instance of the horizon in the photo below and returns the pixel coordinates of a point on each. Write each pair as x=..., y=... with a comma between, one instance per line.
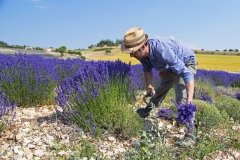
x=209, y=25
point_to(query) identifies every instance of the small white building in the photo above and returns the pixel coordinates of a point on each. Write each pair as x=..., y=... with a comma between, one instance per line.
x=28, y=48
x=49, y=49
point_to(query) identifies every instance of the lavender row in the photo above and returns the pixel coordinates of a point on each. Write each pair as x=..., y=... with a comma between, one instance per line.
x=219, y=78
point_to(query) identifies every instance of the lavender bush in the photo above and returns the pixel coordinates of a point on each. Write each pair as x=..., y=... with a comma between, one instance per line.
x=6, y=110
x=97, y=98
x=28, y=79
x=203, y=88
x=207, y=117
x=31, y=79
x=229, y=105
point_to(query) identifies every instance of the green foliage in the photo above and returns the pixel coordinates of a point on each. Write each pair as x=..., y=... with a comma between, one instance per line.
x=203, y=87
x=16, y=46
x=61, y=49
x=152, y=146
x=38, y=48
x=106, y=42
x=111, y=111
x=108, y=51
x=91, y=46
x=86, y=150
x=3, y=44
x=102, y=49
x=230, y=105
x=31, y=93
x=170, y=96
x=205, y=145
x=77, y=53
x=207, y=116
x=236, y=50
x=119, y=41
x=235, y=83
x=1, y=126
x=234, y=138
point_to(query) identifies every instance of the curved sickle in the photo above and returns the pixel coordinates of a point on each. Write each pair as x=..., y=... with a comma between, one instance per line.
x=146, y=96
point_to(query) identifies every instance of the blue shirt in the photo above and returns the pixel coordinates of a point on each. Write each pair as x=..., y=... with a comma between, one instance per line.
x=166, y=55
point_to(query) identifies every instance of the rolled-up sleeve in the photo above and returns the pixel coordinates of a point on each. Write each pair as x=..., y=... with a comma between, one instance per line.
x=177, y=65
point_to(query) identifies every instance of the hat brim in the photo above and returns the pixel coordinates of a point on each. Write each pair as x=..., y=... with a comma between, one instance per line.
x=130, y=50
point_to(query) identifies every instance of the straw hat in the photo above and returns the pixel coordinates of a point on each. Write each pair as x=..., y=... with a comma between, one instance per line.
x=134, y=39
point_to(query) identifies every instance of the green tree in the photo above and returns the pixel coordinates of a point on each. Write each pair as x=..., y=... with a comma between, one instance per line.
x=108, y=52
x=236, y=50
x=91, y=46
x=62, y=49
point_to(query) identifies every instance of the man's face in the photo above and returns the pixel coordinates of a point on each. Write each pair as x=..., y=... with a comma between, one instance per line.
x=137, y=54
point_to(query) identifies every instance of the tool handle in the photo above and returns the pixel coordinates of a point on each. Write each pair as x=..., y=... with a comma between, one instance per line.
x=146, y=96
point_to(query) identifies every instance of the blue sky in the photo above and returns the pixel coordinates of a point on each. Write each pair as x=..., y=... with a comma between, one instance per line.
x=200, y=24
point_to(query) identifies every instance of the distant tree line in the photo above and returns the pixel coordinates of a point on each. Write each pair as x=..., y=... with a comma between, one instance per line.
x=4, y=44
x=106, y=42
x=231, y=50
x=225, y=50
x=77, y=53
x=63, y=49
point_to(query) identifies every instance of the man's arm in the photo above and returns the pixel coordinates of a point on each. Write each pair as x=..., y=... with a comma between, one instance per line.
x=148, y=78
x=190, y=90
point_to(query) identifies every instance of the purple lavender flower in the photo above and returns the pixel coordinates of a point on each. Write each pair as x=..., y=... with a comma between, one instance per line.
x=206, y=98
x=166, y=114
x=186, y=114
x=238, y=96
x=6, y=108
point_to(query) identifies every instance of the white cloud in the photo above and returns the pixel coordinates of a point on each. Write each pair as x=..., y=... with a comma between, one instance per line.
x=173, y=38
x=40, y=7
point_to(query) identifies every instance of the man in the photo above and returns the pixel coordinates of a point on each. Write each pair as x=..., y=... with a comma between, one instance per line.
x=176, y=65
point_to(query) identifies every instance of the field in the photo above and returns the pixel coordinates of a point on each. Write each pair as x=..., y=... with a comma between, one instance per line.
x=226, y=61
x=69, y=108
x=229, y=62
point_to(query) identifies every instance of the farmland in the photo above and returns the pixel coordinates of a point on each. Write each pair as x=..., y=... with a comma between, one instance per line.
x=218, y=61
x=76, y=109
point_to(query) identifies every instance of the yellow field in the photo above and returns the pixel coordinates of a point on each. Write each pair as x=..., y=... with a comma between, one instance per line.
x=209, y=62
x=219, y=62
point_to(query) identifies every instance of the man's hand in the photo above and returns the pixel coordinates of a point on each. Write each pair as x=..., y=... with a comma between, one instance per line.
x=150, y=90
